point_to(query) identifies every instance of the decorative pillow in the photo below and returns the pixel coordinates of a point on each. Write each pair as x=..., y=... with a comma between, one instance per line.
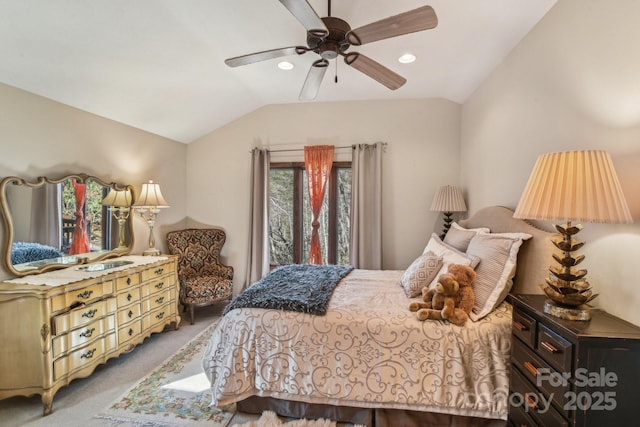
x=449, y=254
x=459, y=237
x=420, y=273
x=498, y=253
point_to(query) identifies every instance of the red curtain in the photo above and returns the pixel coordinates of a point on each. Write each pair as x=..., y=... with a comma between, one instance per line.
x=80, y=243
x=318, y=160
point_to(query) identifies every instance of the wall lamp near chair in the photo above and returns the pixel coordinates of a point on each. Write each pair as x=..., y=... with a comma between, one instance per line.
x=572, y=186
x=448, y=199
x=148, y=206
x=119, y=203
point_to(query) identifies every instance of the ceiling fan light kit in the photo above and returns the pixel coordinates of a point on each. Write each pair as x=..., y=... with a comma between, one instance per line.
x=330, y=37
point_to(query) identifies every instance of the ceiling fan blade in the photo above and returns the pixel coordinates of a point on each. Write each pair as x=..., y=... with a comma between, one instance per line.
x=422, y=18
x=264, y=55
x=307, y=17
x=375, y=70
x=314, y=79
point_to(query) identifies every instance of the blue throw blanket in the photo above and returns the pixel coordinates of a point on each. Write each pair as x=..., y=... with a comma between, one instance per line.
x=297, y=287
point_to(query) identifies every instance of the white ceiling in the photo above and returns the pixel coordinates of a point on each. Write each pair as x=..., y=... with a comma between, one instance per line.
x=158, y=65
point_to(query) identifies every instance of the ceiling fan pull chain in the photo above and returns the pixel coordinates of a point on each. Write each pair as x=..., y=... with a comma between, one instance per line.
x=336, y=78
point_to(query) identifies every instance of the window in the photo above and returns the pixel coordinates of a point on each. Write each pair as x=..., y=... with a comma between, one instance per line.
x=290, y=215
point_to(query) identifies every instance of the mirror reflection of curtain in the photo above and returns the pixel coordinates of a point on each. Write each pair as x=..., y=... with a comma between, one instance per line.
x=80, y=243
x=46, y=215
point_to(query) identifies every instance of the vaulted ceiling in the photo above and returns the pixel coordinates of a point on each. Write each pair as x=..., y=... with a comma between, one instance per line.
x=158, y=65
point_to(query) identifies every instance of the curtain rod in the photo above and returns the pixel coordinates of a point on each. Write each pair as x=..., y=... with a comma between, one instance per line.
x=384, y=144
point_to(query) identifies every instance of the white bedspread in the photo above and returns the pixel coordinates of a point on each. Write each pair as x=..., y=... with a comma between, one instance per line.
x=368, y=351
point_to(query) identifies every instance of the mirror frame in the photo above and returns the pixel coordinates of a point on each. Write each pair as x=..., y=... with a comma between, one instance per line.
x=7, y=220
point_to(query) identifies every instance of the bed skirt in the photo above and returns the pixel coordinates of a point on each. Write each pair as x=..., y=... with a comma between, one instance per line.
x=368, y=417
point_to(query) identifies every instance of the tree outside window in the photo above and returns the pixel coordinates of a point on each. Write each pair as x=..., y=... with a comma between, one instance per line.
x=290, y=215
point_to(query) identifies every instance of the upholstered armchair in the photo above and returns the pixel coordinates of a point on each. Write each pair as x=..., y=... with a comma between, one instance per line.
x=204, y=280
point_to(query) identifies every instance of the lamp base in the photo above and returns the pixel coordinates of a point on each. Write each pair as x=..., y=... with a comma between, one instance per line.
x=151, y=252
x=581, y=312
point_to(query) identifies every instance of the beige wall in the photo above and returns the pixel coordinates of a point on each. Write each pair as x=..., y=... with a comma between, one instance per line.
x=421, y=155
x=573, y=83
x=42, y=137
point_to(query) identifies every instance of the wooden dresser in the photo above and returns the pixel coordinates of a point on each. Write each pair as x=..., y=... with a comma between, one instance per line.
x=60, y=325
x=572, y=373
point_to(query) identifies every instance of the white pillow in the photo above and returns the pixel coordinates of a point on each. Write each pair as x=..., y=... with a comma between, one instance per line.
x=420, y=273
x=459, y=237
x=449, y=254
x=498, y=253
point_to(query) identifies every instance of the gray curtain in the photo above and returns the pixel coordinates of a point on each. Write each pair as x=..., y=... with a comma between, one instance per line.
x=258, y=256
x=366, y=206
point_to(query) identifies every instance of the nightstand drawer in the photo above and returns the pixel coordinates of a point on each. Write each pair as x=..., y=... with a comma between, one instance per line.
x=524, y=327
x=540, y=373
x=533, y=405
x=554, y=349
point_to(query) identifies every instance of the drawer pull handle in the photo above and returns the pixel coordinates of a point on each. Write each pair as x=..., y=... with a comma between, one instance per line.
x=129, y=297
x=550, y=348
x=130, y=314
x=532, y=403
x=160, y=315
x=87, y=333
x=159, y=270
x=130, y=331
x=89, y=314
x=159, y=285
x=128, y=280
x=519, y=326
x=88, y=354
x=160, y=300
x=86, y=294
x=531, y=368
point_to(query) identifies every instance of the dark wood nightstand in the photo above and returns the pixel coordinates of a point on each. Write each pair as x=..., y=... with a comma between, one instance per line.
x=572, y=373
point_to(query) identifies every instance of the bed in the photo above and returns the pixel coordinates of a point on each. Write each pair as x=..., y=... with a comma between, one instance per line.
x=368, y=360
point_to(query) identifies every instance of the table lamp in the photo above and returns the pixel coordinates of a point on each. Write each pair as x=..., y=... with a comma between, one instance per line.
x=119, y=202
x=148, y=206
x=448, y=199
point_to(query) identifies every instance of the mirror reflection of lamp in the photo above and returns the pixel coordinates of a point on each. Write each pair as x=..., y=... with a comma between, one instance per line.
x=148, y=205
x=119, y=202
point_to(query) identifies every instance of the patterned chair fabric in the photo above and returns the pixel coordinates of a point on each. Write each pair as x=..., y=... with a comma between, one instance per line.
x=204, y=280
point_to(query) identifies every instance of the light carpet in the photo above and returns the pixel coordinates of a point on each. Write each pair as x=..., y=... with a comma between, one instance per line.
x=175, y=394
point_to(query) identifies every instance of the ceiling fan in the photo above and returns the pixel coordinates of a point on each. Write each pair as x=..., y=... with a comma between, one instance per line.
x=331, y=36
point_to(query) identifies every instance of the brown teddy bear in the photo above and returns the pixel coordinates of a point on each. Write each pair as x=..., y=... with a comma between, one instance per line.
x=451, y=300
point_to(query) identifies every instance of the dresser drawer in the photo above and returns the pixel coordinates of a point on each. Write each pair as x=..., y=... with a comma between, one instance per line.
x=127, y=314
x=83, y=315
x=127, y=282
x=81, y=296
x=540, y=373
x=554, y=349
x=158, y=316
x=157, y=285
x=129, y=332
x=85, y=356
x=81, y=336
x=128, y=297
x=529, y=404
x=155, y=272
x=158, y=299
x=524, y=327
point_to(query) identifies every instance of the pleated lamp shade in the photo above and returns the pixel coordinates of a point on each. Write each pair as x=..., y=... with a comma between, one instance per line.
x=576, y=186
x=448, y=198
x=118, y=198
x=151, y=196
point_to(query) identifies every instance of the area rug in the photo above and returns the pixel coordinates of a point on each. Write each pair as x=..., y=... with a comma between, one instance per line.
x=270, y=419
x=175, y=394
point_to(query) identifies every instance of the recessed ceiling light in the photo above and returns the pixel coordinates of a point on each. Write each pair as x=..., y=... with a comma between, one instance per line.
x=285, y=65
x=407, y=58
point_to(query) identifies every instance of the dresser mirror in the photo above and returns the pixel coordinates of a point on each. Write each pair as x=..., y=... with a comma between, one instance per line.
x=55, y=223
